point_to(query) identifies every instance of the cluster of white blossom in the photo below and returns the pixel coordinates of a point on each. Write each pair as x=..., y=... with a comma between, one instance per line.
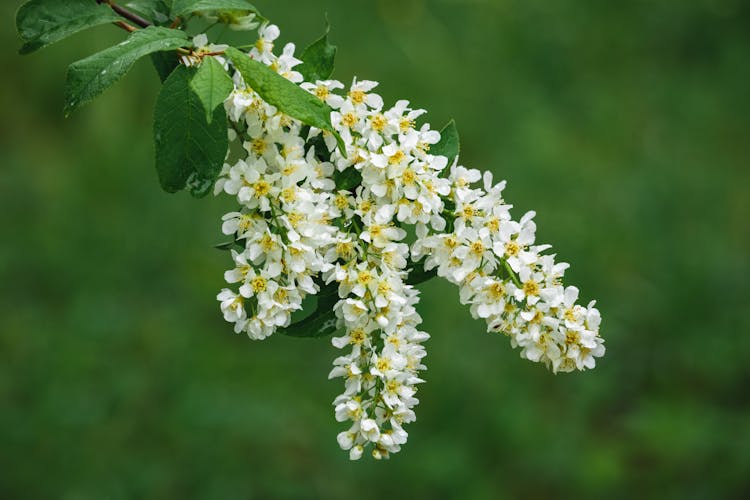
x=297, y=232
x=507, y=280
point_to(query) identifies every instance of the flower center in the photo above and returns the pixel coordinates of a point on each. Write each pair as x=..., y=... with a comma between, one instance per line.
x=379, y=122
x=397, y=157
x=289, y=194
x=512, y=249
x=259, y=284
x=531, y=287
x=409, y=177
x=349, y=119
x=357, y=96
x=358, y=336
x=321, y=91
x=364, y=277
x=258, y=146
x=477, y=248
x=261, y=188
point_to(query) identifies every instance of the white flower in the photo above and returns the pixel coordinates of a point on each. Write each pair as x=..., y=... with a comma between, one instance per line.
x=350, y=409
x=242, y=224
x=356, y=452
x=286, y=62
x=235, y=20
x=325, y=91
x=379, y=230
x=462, y=179
x=359, y=94
x=232, y=306
x=260, y=285
x=352, y=310
x=370, y=429
x=267, y=35
x=201, y=49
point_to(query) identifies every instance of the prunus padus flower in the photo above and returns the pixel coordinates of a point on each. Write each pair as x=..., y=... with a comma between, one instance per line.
x=355, y=238
x=329, y=181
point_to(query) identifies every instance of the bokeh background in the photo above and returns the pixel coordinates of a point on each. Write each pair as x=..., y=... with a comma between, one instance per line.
x=625, y=125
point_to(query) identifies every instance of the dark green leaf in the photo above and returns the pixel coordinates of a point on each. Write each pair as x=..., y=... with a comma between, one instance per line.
x=347, y=179
x=418, y=275
x=190, y=150
x=157, y=11
x=449, y=213
x=199, y=184
x=184, y=7
x=322, y=322
x=164, y=63
x=321, y=149
x=90, y=77
x=212, y=84
x=42, y=22
x=285, y=95
x=317, y=59
x=227, y=245
x=449, y=145
x=235, y=244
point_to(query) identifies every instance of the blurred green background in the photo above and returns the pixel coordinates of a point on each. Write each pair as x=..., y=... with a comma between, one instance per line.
x=625, y=125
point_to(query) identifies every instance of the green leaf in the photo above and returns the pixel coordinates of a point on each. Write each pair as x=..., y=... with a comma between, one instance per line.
x=235, y=244
x=418, y=275
x=42, y=22
x=212, y=84
x=347, y=179
x=157, y=11
x=227, y=245
x=317, y=59
x=190, y=150
x=449, y=145
x=164, y=63
x=319, y=144
x=184, y=7
x=199, y=184
x=289, y=98
x=89, y=77
x=322, y=321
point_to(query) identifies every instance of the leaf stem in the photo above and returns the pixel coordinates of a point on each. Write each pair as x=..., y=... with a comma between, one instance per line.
x=130, y=16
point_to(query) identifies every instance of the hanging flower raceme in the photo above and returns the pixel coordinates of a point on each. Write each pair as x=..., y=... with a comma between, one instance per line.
x=329, y=184
x=301, y=228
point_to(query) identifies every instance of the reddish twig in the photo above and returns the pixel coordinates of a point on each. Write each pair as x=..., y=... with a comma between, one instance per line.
x=127, y=27
x=130, y=16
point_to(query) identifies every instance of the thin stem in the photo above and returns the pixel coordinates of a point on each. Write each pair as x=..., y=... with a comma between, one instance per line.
x=512, y=274
x=127, y=27
x=130, y=16
x=278, y=226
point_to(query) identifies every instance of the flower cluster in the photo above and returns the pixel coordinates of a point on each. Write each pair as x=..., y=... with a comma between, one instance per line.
x=301, y=230
x=506, y=278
